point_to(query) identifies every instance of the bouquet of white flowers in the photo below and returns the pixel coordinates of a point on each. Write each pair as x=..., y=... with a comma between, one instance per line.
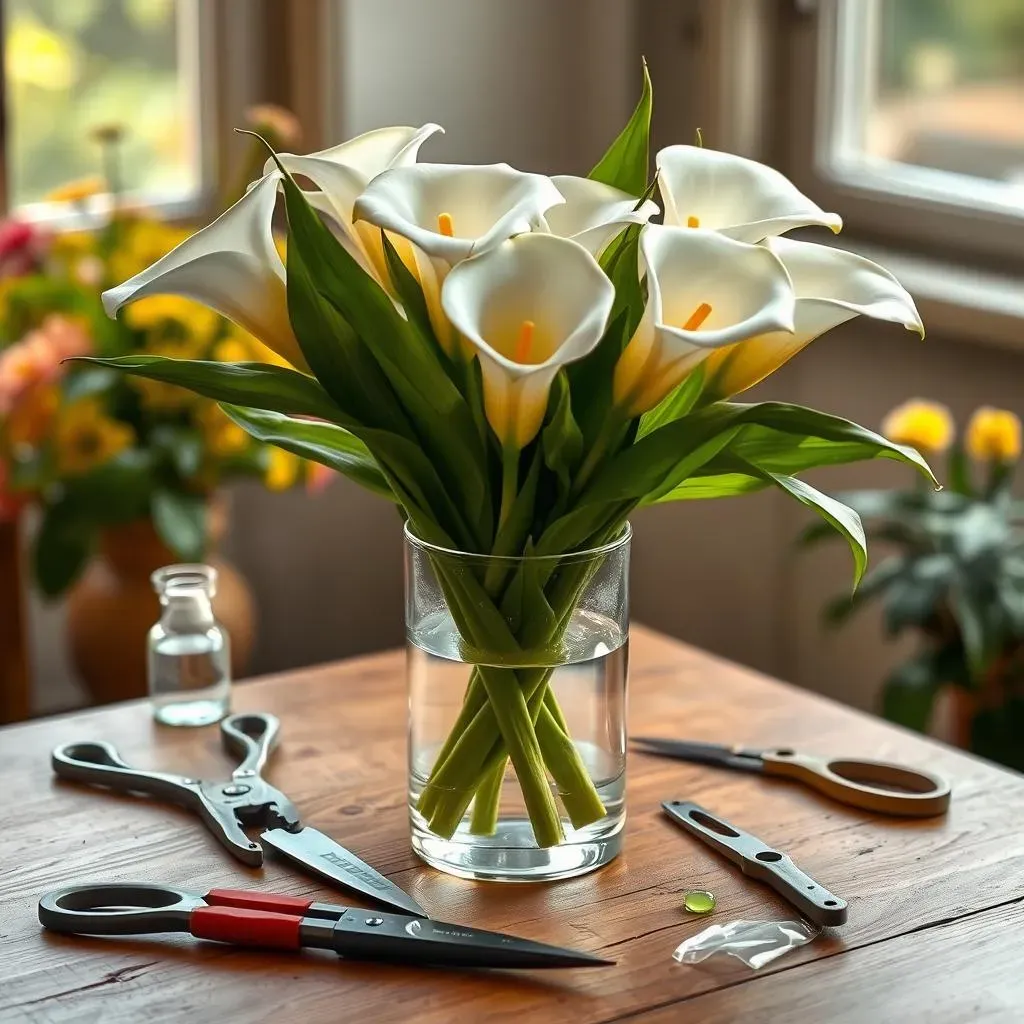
x=518, y=362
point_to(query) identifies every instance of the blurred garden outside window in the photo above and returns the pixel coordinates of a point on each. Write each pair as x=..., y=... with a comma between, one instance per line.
x=73, y=68
x=917, y=126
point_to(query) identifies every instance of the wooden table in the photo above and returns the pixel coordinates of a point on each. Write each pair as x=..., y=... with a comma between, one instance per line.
x=936, y=923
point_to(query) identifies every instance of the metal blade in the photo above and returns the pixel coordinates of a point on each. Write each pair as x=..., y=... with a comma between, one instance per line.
x=700, y=753
x=323, y=856
x=363, y=935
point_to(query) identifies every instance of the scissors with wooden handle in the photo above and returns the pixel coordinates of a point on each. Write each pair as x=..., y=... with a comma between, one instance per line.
x=872, y=785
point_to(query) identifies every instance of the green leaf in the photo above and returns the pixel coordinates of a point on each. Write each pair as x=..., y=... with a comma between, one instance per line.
x=971, y=615
x=591, y=378
x=875, y=582
x=444, y=425
x=62, y=547
x=408, y=289
x=625, y=164
x=182, y=446
x=330, y=445
x=258, y=385
x=675, y=405
x=115, y=492
x=784, y=438
x=908, y=695
x=180, y=522
x=704, y=485
x=86, y=382
x=960, y=471
x=561, y=439
x=840, y=517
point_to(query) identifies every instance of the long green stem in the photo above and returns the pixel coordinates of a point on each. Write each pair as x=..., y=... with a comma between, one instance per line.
x=486, y=802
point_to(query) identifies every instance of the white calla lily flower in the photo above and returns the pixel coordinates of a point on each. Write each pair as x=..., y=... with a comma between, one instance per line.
x=232, y=266
x=831, y=287
x=744, y=199
x=527, y=307
x=704, y=291
x=450, y=212
x=594, y=213
x=342, y=172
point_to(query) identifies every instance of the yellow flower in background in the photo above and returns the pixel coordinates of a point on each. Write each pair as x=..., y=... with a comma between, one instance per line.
x=223, y=437
x=73, y=245
x=926, y=426
x=86, y=437
x=282, y=469
x=77, y=191
x=993, y=435
x=144, y=242
x=240, y=346
x=162, y=313
x=230, y=350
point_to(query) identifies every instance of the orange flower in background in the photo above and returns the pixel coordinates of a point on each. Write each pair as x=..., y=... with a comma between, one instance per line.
x=77, y=191
x=318, y=476
x=31, y=418
x=279, y=122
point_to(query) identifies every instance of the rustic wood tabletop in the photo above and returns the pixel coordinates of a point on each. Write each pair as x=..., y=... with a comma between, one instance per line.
x=936, y=919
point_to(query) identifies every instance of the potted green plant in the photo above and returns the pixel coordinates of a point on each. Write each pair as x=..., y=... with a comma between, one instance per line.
x=955, y=579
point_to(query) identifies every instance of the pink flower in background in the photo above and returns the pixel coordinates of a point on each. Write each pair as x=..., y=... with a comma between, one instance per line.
x=36, y=359
x=22, y=248
x=318, y=476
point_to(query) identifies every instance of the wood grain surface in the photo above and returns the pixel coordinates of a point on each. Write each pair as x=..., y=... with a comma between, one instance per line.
x=935, y=920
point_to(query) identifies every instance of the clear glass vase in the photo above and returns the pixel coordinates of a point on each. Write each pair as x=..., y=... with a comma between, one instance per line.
x=517, y=709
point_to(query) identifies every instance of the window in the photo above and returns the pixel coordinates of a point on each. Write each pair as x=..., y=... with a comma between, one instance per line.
x=914, y=115
x=930, y=92
x=74, y=66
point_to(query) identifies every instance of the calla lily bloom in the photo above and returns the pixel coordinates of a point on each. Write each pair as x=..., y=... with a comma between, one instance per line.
x=744, y=199
x=594, y=213
x=450, y=212
x=232, y=266
x=831, y=287
x=342, y=172
x=527, y=307
x=704, y=291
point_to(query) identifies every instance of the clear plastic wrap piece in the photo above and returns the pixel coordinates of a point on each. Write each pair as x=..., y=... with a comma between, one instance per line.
x=756, y=943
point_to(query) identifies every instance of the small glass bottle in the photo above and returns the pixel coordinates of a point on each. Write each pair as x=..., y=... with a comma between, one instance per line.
x=189, y=653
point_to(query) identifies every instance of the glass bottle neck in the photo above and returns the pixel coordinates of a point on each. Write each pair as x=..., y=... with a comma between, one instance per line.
x=186, y=609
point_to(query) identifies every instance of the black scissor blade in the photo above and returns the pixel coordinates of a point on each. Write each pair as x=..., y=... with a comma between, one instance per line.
x=700, y=753
x=363, y=935
x=323, y=856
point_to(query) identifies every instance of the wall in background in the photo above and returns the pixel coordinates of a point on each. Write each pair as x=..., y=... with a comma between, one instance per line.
x=545, y=86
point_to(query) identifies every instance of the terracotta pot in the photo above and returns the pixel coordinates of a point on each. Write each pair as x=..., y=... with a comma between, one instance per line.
x=112, y=607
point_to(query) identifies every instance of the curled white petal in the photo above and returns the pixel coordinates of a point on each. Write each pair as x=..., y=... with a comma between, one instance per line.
x=594, y=213
x=741, y=198
x=232, y=266
x=831, y=287
x=343, y=171
x=704, y=291
x=489, y=298
x=486, y=204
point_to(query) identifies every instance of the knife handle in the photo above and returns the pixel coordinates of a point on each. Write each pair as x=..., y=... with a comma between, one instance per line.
x=807, y=895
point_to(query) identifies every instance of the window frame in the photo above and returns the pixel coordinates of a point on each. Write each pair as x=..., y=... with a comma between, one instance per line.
x=897, y=209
